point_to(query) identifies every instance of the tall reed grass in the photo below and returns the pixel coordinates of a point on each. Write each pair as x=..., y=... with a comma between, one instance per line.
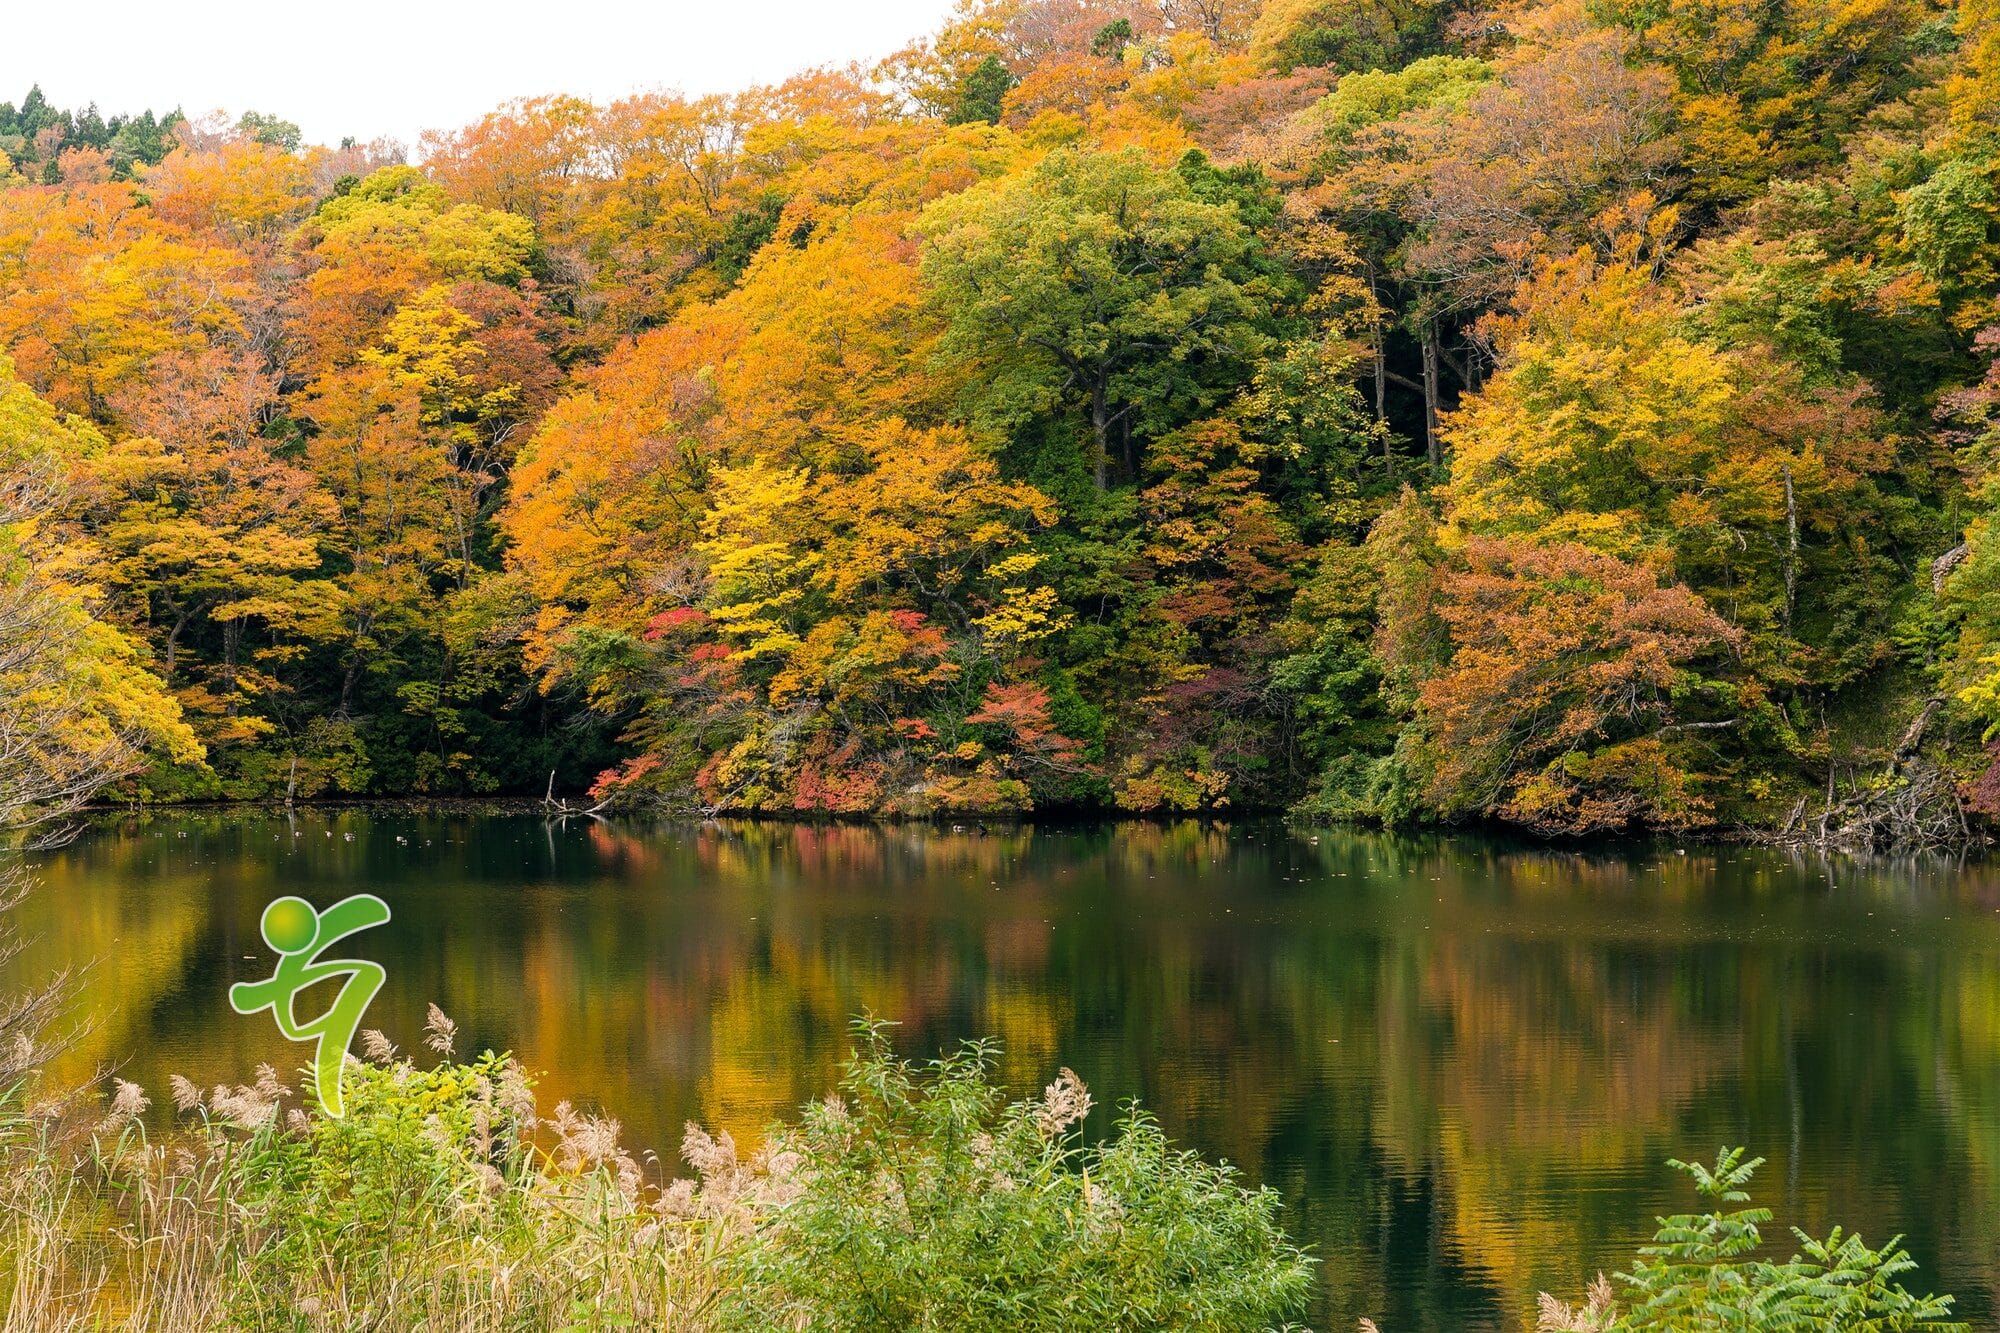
x=443, y=1200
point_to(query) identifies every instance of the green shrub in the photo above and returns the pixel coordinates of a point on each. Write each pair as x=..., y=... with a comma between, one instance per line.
x=922, y=1199
x=422, y=1155
x=1700, y=1274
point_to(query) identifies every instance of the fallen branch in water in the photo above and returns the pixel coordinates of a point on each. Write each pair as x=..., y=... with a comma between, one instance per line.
x=1912, y=805
x=561, y=808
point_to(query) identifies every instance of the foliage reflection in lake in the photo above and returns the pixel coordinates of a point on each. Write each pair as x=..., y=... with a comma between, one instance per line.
x=1462, y=1062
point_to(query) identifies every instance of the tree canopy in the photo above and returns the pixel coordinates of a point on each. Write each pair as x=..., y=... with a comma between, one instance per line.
x=1573, y=415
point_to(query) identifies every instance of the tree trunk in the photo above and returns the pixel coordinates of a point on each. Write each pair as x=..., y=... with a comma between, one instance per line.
x=1433, y=448
x=1100, y=425
x=1381, y=355
x=1792, y=546
x=347, y=679
x=352, y=674
x=1942, y=567
x=173, y=647
x=232, y=637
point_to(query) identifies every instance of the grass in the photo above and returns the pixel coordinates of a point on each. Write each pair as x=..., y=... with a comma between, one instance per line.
x=441, y=1201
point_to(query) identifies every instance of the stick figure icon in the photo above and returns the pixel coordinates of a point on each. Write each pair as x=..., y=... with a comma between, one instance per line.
x=299, y=935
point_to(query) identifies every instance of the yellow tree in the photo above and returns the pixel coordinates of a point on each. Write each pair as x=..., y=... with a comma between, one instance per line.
x=205, y=525
x=817, y=339
x=843, y=622
x=1647, y=538
x=93, y=288
x=429, y=353
x=387, y=238
x=78, y=706
x=1611, y=423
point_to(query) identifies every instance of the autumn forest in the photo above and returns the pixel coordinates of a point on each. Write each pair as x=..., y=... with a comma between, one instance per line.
x=1582, y=415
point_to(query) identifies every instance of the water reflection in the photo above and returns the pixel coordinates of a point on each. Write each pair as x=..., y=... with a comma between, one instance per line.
x=1462, y=1062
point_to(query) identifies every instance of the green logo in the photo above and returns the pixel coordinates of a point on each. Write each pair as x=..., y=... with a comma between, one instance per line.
x=300, y=935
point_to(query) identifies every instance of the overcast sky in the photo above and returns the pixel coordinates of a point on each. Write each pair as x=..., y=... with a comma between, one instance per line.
x=396, y=67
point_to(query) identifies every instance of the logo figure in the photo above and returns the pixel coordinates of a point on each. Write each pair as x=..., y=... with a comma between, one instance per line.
x=300, y=935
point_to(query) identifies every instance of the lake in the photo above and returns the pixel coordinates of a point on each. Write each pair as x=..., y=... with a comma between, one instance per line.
x=1461, y=1061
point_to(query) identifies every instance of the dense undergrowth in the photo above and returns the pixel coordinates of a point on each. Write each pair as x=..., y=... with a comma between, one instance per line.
x=916, y=1197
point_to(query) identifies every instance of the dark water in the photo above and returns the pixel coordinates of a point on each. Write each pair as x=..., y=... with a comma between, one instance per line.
x=1462, y=1063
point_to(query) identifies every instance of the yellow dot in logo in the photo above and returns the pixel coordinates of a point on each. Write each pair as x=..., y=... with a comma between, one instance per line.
x=290, y=924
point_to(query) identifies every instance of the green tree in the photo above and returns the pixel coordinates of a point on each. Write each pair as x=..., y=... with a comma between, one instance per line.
x=980, y=93
x=1699, y=1273
x=268, y=129
x=1102, y=285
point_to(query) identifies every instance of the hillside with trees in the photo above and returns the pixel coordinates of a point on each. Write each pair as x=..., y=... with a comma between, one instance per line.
x=1577, y=415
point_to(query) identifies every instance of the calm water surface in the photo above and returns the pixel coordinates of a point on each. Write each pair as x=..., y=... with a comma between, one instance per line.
x=1461, y=1062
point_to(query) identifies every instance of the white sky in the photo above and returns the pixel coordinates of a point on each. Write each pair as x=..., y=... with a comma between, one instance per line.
x=396, y=67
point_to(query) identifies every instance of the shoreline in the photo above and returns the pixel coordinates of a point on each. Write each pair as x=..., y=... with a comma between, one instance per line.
x=965, y=823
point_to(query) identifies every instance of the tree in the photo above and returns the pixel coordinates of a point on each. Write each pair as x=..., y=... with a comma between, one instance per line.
x=78, y=707
x=390, y=236
x=1610, y=423
x=817, y=342
x=40, y=134
x=270, y=131
x=210, y=529
x=980, y=93
x=1564, y=704
x=1763, y=91
x=96, y=288
x=837, y=629
x=1291, y=33
x=1226, y=23
x=1455, y=175
x=1099, y=284
x=245, y=191
x=1196, y=723
x=1711, y=478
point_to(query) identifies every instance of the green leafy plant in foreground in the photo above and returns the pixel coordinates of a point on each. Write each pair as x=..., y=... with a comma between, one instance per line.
x=1700, y=1274
x=924, y=1200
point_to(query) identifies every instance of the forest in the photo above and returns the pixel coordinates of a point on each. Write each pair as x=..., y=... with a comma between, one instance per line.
x=1580, y=415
